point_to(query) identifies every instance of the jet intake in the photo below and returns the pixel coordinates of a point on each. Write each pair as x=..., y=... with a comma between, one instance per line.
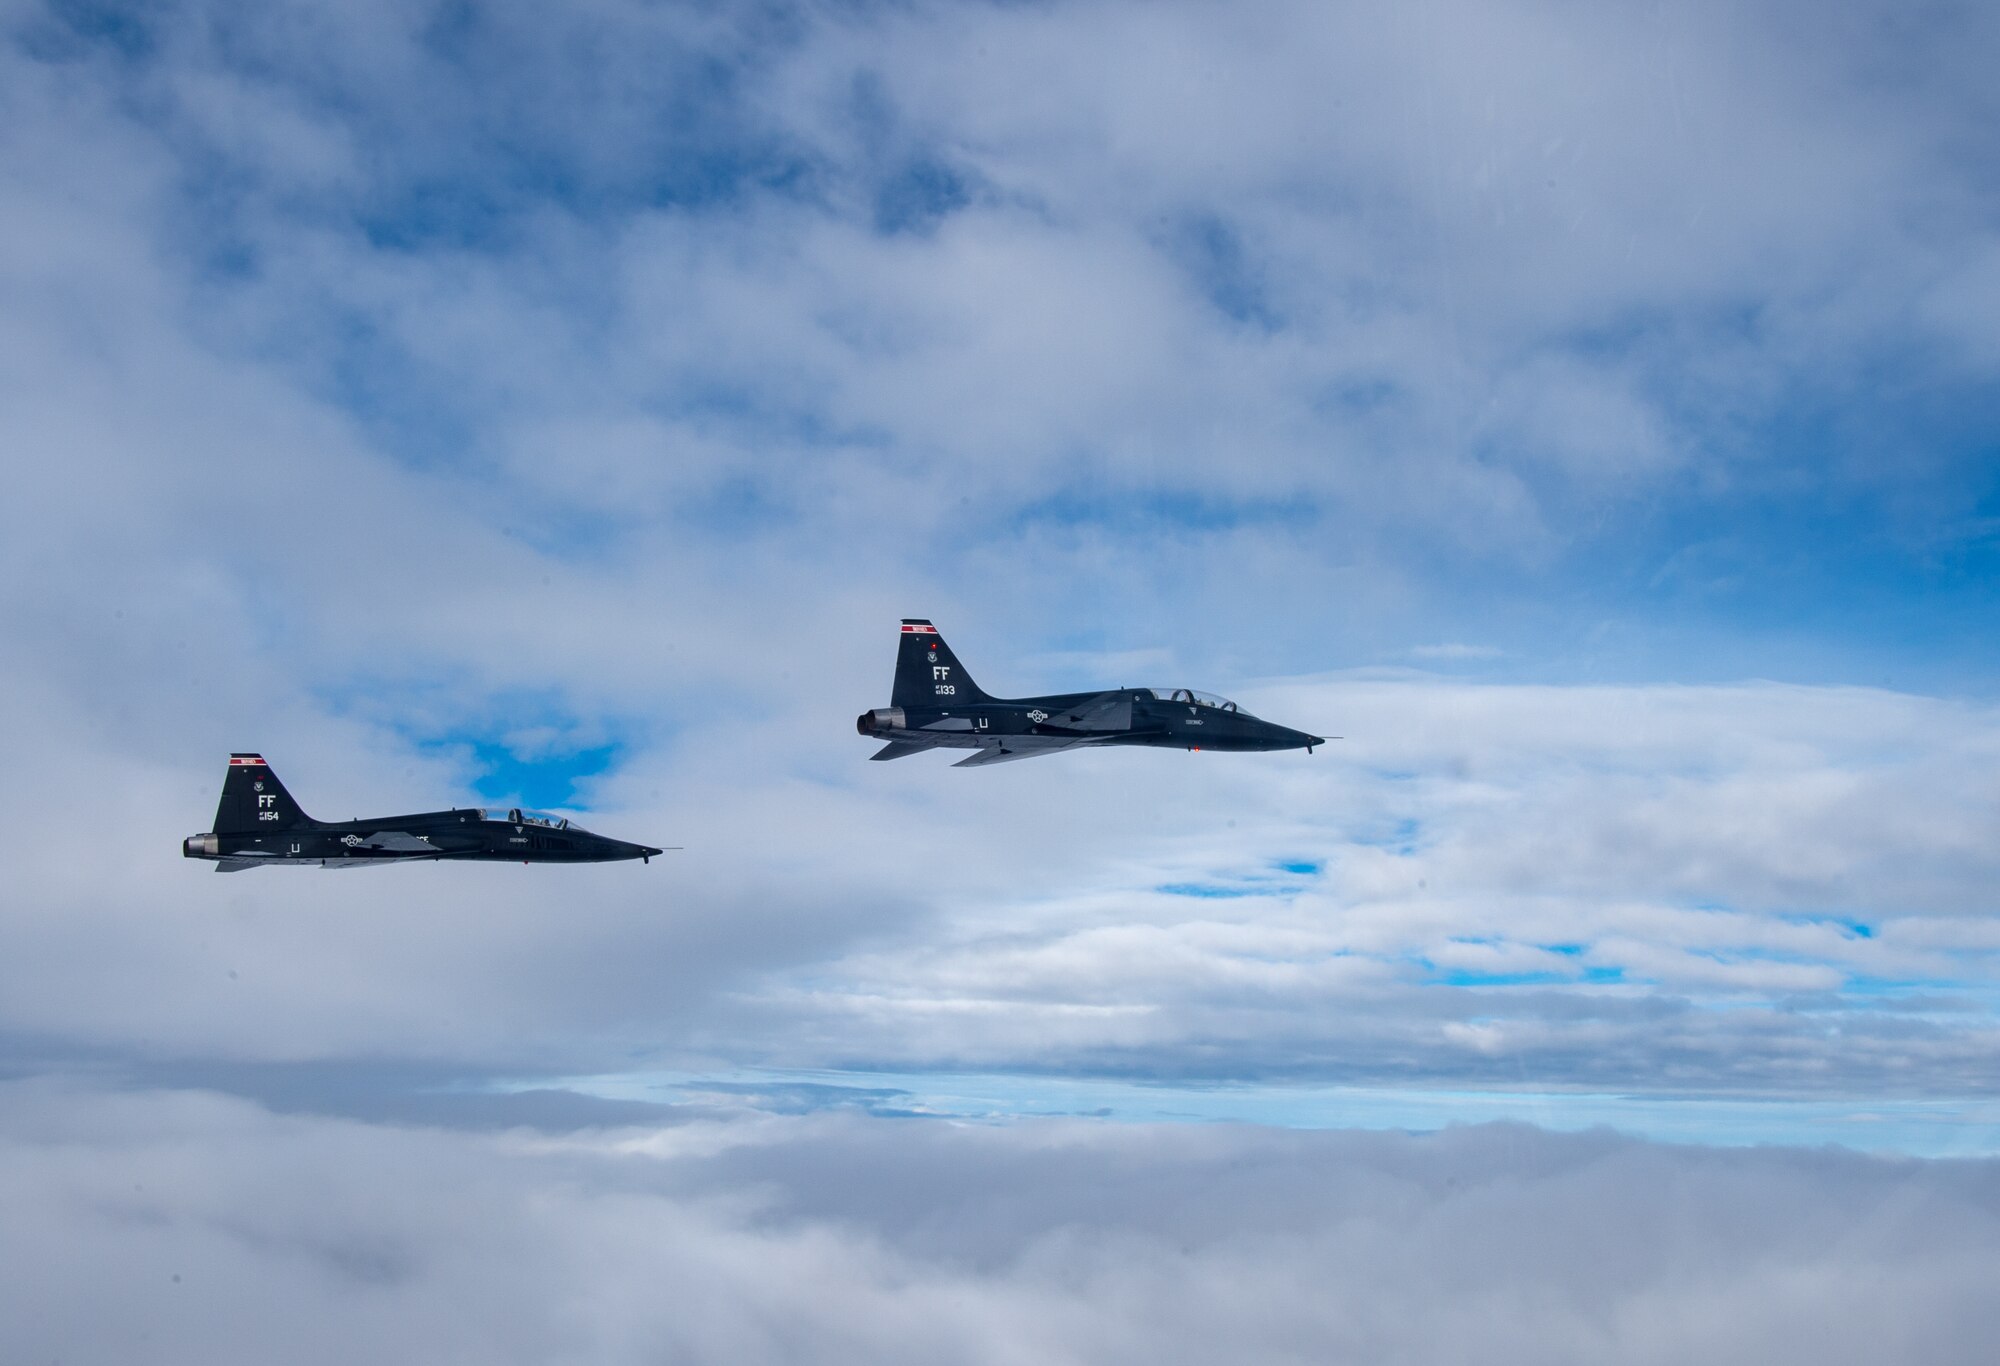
x=200, y=846
x=881, y=719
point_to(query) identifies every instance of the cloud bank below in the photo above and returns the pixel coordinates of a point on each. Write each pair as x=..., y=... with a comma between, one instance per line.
x=185, y=1227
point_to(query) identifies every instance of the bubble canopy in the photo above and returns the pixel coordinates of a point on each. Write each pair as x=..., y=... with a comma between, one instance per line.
x=1193, y=698
x=514, y=815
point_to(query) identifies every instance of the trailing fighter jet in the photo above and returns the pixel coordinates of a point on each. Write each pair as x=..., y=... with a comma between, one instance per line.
x=936, y=705
x=259, y=825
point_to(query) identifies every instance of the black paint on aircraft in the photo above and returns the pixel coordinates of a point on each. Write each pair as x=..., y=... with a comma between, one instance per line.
x=936, y=705
x=258, y=824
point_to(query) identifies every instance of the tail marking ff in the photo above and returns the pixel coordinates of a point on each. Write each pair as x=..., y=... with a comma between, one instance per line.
x=254, y=800
x=928, y=674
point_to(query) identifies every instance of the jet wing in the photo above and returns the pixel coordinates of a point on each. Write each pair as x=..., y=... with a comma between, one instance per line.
x=399, y=842
x=383, y=846
x=1106, y=711
x=898, y=749
x=237, y=865
x=1017, y=747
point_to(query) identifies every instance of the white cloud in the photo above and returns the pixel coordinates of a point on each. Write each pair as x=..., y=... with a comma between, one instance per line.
x=1642, y=887
x=1469, y=352
x=187, y=1227
x=1752, y=889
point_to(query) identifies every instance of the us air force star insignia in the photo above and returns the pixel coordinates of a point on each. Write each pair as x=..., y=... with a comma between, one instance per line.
x=1038, y=716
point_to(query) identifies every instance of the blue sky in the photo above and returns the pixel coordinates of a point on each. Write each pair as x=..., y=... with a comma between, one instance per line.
x=1589, y=414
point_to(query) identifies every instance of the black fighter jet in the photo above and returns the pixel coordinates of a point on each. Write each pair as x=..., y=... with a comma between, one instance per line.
x=259, y=825
x=936, y=705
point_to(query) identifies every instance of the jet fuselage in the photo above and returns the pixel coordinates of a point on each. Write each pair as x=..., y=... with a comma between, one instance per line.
x=1154, y=719
x=259, y=824
x=936, y=705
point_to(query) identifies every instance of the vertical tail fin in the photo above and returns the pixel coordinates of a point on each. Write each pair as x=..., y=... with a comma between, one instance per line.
x=928, y=674
x=254, y=800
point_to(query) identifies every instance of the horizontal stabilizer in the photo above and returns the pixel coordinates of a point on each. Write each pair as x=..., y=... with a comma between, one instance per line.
x=237, y=865
x=898, y=749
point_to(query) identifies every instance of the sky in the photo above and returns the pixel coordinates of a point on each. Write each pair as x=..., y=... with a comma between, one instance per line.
x=1586, y=412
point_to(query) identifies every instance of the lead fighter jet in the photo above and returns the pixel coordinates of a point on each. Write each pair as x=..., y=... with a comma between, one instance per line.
x=936, y=705
x=259, y=825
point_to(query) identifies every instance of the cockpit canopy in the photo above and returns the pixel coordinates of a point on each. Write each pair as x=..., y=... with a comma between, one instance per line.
x=1190, y=697
x=516, y=816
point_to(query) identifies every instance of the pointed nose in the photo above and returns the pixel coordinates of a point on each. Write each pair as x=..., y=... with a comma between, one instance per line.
x=607, y=850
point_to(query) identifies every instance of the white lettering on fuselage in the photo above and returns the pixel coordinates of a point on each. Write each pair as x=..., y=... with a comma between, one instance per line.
x=940, y=671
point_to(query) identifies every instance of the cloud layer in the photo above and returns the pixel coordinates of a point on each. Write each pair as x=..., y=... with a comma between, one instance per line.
x=181, y=1226
x=1759, y=890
